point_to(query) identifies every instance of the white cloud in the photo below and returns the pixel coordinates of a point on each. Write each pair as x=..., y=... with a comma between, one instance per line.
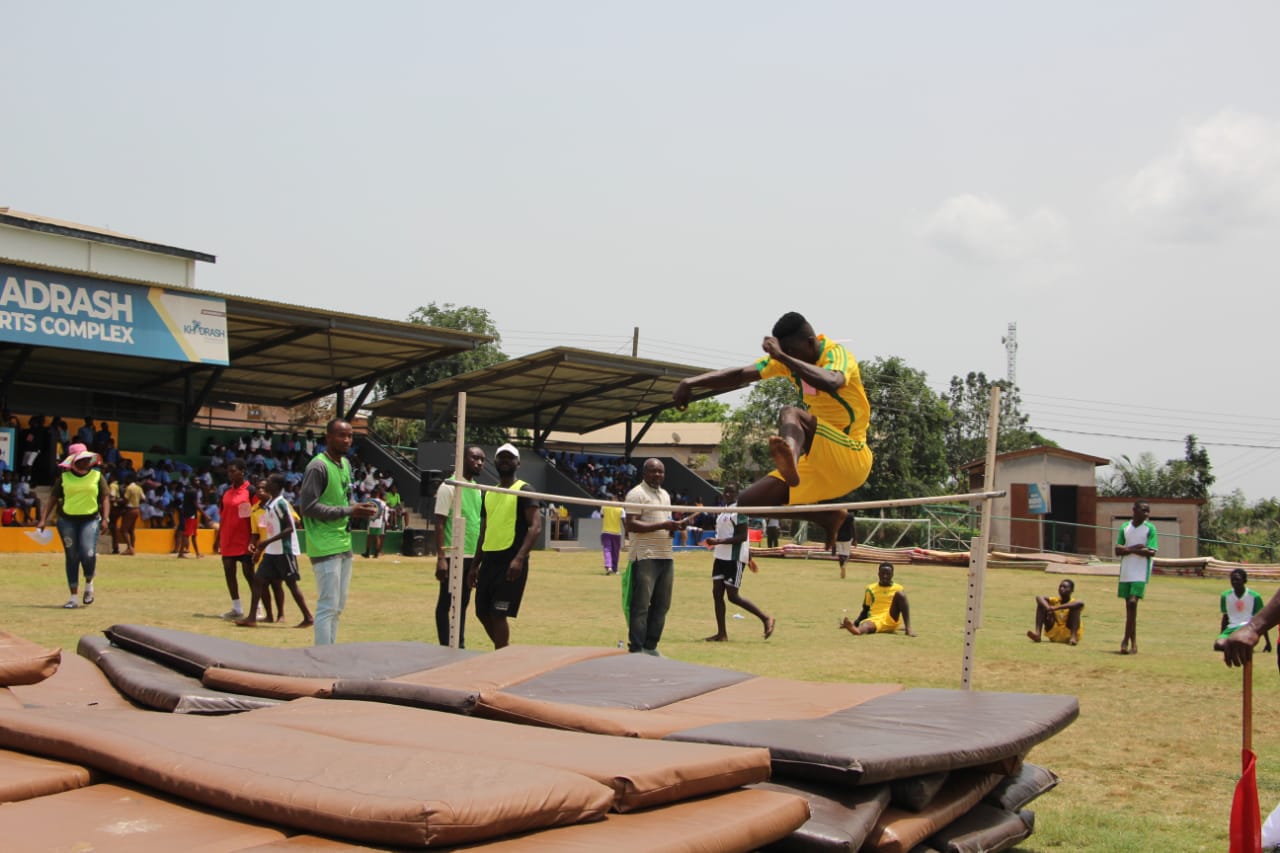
x=1224, y=173
x=977, y=228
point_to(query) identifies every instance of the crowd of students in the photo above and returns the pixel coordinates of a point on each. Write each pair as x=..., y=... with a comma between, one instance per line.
x=169, y=490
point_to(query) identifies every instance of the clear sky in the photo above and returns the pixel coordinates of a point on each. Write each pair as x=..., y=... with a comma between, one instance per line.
x=913, y=177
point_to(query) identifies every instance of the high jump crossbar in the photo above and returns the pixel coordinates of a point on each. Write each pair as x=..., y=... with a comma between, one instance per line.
x=970, y=497
x=977, y=547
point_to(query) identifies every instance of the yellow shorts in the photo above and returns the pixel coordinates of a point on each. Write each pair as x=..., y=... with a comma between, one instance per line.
x=834, y=466
x=885, y=624
x=1060, y=633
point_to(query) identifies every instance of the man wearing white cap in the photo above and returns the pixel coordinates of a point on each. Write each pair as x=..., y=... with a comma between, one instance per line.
x=509, y=525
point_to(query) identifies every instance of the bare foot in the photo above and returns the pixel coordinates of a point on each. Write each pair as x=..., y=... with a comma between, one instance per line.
x=780, y=452
x=842, y=572
x=1124, y=648
x=1033, y=636
x=280, y=618
x=769, y=625
x=305, y=623
x=716, y=638
x=1070, y=642
x=247, y=623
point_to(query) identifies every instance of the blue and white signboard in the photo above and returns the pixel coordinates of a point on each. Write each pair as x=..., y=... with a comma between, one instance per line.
x=76, y=312
x=1038, y=499
x=8, y=440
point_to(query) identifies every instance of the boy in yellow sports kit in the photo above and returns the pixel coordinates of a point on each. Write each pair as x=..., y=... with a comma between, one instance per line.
x=820, y=451
x=884, y=607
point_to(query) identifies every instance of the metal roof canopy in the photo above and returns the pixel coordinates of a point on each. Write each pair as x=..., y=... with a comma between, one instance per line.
x=562, y=388
x=279, y=354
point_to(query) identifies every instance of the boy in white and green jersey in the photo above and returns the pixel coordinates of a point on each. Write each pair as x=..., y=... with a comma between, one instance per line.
x=1238, y=605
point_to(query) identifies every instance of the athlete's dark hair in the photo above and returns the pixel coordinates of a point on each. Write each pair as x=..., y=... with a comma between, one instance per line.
x=788, y=324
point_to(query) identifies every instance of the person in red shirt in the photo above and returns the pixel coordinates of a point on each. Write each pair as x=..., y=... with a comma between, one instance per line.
x=235, y=535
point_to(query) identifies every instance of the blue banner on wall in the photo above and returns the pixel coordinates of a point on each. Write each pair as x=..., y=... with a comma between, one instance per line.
x=77, y=312
x=1038, y=502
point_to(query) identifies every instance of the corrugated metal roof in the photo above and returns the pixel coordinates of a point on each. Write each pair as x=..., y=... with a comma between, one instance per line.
x=279, y=354
x=562, y=388
x=49, y=225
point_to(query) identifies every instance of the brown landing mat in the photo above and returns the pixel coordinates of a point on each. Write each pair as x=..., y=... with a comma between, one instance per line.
x=76, y=684
x=25, y=776
x=898, y=830
x=367, y=793
x=265, y=685
x=122, y=819
x=25, y=662
x=736, y=822
x=642, y=774
x=840, y=818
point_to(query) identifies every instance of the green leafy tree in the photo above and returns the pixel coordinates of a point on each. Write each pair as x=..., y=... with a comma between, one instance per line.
x=1147, y=477
x=744, y=447
x=970, y=401
x=707, y=411
x=1232, y=529
x=909, y=423
x=447, y=315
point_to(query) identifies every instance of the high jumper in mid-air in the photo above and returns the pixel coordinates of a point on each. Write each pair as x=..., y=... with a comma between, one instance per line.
x=820, y=452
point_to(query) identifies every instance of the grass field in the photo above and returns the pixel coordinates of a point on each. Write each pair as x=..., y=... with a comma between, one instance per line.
x=1150, y=764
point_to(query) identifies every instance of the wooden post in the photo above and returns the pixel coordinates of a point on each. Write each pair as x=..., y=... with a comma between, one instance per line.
x=459, y=528
x=978, y=546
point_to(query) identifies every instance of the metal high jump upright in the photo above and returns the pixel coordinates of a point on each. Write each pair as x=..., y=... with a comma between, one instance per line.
x=978, y=546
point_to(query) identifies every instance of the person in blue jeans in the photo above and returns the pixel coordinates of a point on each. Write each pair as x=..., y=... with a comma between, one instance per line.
x=324, y=499
x=82, y=499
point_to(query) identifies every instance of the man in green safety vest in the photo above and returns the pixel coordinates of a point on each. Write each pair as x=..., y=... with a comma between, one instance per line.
x=324, y=499
x=509, y=525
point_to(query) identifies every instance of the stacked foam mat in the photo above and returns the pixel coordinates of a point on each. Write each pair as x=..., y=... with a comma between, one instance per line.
x=407, y=745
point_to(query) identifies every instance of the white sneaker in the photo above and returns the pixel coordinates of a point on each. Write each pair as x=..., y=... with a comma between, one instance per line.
x=233, y=614
x=262, y=613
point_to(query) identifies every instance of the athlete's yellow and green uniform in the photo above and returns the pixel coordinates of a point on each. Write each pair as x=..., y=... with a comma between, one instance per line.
x=879, y=600
x=1059, y=632
x=838, y=460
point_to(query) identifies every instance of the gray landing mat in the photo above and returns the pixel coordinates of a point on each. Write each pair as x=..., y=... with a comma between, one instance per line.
x=193, y=653
x=840, y=818
x=154, y=685
x=901, y=734
x=641, y=682
x=984, y=829
x=1022, y=787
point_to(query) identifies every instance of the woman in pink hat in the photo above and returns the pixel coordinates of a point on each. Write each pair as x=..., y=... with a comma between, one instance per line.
x=80, y=495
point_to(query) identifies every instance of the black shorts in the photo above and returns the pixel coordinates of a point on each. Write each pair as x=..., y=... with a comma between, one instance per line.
x=494, y=593
x=277, y=567
x=728, y=571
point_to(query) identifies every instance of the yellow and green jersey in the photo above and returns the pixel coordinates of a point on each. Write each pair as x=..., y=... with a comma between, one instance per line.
x=846, y=409
x=878, y=599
